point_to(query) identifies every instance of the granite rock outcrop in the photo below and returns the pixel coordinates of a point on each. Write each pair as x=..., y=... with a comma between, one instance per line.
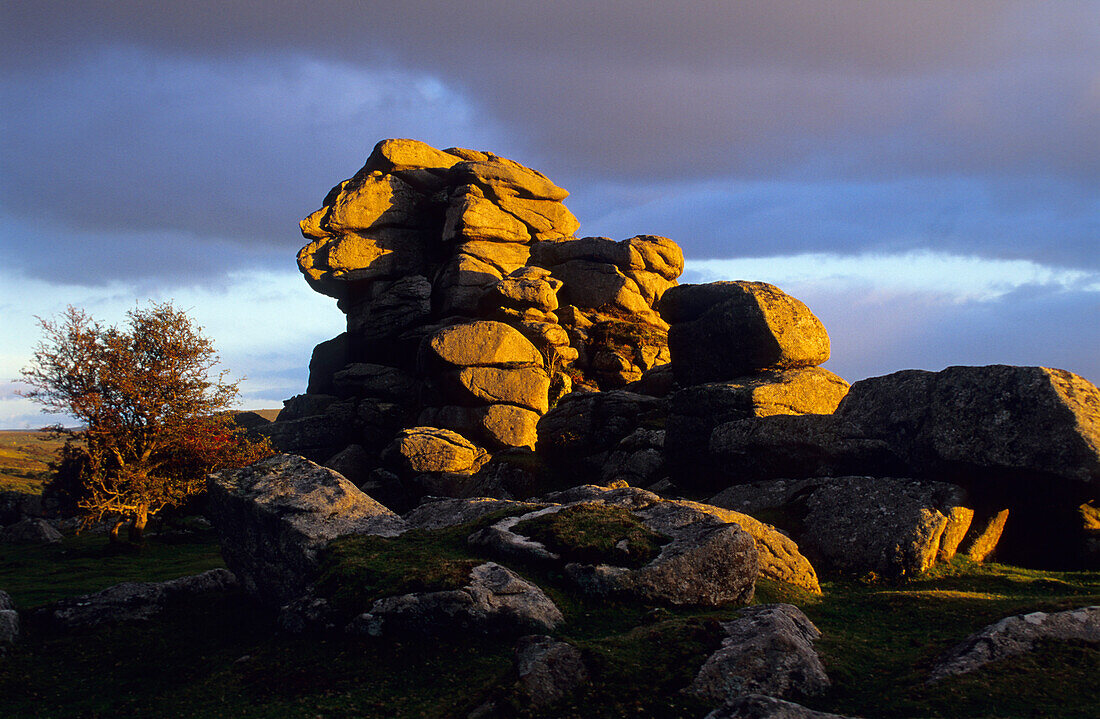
x=1022, y=439
x=471, y=306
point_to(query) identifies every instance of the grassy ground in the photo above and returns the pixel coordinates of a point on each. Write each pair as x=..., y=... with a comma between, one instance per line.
x=220, y=657
x=38, y=574
x=23, y=459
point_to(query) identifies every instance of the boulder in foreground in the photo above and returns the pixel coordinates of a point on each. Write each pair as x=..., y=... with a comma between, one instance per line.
x=767, y=649
x=549, y=670
x=274, y=516
x=1017, y=635
x=630, y=542
x=494, y=601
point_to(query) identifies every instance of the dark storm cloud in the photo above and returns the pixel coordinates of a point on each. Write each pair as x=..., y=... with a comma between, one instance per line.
x=121, y=159
x=665, y=88
x=841, y=123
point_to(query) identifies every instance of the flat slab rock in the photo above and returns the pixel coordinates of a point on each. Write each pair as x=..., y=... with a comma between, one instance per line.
x=1016, y=635
x=778, y=556
x=134, y=601
x=496, y=601
x=709, y=562
x=442, y=512
x=759, y=706
x=768, y=650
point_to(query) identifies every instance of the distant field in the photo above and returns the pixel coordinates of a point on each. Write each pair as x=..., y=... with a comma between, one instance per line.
x=268, y=414
x=23, y=459
x=24, y=455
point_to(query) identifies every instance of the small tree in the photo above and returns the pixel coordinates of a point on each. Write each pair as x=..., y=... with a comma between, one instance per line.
x=154, y=421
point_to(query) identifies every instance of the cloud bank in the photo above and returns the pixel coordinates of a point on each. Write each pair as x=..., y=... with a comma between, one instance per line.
x=151, y=149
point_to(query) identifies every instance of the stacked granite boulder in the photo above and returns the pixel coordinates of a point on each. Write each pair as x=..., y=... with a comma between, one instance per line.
x=609, y=295
x=739, y=350
x=470, y=306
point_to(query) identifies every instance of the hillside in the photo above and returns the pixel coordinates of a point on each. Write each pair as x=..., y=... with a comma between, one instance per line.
x=24, y=458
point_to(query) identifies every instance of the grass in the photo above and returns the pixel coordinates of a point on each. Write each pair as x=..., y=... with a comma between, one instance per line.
x=220, y=657
x=359, y=570
x=879, y=643
x=595, y=534
x=24, y=458
x=39, y=574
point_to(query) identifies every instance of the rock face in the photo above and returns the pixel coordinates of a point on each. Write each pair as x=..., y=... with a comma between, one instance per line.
x=724, y=330
x=609, y=295
x=638, y=459
x=740, y=351
x=273, y=518
x=767, y=650
x=483, y=369
x=695, y=411
x=581, y=432
x=1025, y=439
x=134, y=601
x=549, y=670
x=1017, y=635
x=473, y=309
x=861, y=525
x=496, y=601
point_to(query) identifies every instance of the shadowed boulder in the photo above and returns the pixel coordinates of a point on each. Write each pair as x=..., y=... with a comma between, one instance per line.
x=768, y=650
x=1018, y=635
x=724, y=330
x=274, y=517
x=494, y=601
x=134, y=601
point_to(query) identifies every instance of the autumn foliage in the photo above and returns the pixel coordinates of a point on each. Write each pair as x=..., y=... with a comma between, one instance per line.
x=154, y=420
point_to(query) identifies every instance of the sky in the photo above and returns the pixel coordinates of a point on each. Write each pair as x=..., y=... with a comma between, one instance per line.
x=925, y=176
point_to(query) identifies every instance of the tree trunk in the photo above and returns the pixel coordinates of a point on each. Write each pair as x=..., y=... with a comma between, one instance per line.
x=113, y=534
x=137, y=529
